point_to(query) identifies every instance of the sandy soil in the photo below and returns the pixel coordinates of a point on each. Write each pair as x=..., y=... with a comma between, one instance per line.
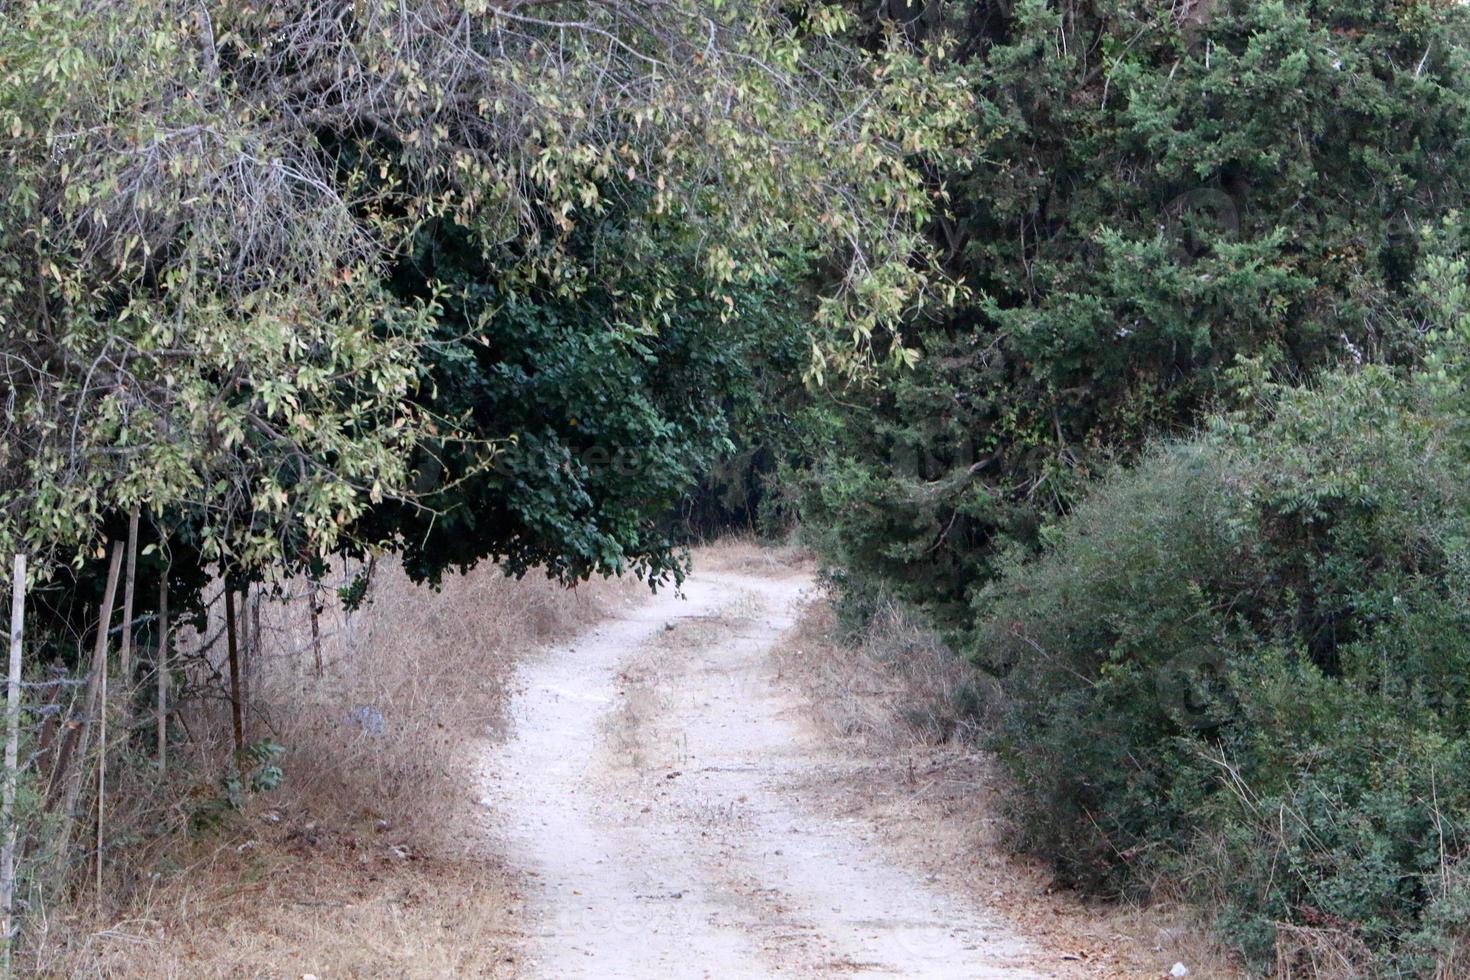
x=656, y=794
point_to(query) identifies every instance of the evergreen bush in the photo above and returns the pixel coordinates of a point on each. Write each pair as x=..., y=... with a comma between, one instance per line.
x=1244, y=664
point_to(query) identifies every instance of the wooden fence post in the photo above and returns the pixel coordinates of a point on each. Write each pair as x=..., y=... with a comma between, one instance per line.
x=316, y=624
x=246, y=638
x=125, y=676
x=251, y=666
x=12, y=759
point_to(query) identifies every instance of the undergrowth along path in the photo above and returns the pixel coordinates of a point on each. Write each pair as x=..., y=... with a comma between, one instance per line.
x=650, y=793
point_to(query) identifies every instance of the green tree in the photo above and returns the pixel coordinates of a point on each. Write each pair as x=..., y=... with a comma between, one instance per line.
x=1241, y=662
x=202, y=258
x=601, y=422
x=1156, y=190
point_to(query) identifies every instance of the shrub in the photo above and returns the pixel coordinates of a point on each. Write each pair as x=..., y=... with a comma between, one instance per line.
x=1244, y=665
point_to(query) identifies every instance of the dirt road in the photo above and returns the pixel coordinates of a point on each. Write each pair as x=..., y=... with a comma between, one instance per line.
x=650, y=793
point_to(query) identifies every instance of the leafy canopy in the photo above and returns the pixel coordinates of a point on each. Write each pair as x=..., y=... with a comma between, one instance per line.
x=206, y=204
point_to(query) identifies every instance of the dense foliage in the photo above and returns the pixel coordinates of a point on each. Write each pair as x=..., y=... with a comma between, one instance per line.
x=560, y=285
x=1156, y=189
x=301, y=264
x=601, y=424
x=1244, y=662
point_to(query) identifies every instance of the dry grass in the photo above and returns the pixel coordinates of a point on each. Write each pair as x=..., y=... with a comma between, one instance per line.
x=1311, y=953
x=369, y=860
x=903, y=704
x=745, y=553
x=283, y=903
x=895, y=689
x=411, y=680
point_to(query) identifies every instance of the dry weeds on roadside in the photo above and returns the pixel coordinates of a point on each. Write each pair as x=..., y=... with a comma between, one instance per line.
x=907, y=708
x=410, y=679
x=745, y=553
x=897, y=688
x=367, y=861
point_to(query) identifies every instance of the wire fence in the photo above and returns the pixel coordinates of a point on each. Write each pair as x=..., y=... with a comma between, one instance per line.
x=104, y=768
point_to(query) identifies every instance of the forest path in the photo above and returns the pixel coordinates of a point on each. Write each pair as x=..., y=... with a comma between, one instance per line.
x=651, y=793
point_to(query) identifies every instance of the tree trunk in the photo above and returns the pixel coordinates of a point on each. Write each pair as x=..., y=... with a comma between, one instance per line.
x=161, y=668
x=252, y=658
x=234, y=647
x=96, y=685
x=316, y=625
x=12, y=758
x=47, y=741
x=125, y=652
